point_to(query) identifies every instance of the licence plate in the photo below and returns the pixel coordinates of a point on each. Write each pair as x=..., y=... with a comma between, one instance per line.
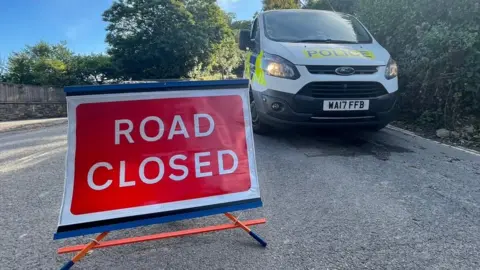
x=346, y=105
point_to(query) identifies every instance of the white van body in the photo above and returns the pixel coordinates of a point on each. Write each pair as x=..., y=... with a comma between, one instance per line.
x=317, y=68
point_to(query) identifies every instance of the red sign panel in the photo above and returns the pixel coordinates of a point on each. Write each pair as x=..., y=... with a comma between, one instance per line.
x=142, y=158
x=147, y=152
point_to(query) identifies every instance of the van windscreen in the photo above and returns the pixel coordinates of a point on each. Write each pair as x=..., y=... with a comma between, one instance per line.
x=311, y=26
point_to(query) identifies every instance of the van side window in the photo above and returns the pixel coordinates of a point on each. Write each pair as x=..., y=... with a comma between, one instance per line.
x=255, y=34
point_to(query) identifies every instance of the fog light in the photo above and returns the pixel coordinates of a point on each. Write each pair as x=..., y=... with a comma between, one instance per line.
x=264, y=99
x=276, y=106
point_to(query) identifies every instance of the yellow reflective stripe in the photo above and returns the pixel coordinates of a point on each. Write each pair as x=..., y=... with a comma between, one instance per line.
x=246, y=72
x=259, y=76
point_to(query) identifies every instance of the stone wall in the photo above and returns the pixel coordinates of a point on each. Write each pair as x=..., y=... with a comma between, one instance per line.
x=11, y=112
x=20, y=102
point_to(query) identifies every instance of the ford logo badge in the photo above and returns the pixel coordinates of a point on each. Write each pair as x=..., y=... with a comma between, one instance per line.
x=345, y=71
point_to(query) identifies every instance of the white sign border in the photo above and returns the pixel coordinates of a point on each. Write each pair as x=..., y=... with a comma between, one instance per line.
x=67, y=218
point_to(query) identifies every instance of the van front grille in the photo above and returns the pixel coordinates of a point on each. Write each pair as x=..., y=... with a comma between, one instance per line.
x=330, y=70
x=332, y=90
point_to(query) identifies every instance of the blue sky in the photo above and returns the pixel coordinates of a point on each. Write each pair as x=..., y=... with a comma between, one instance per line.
x=79, y=22
x=243, y=8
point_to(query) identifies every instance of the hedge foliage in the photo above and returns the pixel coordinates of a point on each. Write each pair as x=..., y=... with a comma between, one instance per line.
x=437, y=46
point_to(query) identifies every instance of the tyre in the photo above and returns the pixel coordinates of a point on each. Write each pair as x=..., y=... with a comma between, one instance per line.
x=258, y=126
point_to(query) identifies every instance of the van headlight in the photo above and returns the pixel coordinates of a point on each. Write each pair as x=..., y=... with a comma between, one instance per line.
x=277, y=66
x=391, y=70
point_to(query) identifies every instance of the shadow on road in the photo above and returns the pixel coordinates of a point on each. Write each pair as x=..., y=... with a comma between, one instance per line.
x=332, y=142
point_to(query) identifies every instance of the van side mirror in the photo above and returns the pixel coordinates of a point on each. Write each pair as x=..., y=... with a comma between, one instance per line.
x=244, y=40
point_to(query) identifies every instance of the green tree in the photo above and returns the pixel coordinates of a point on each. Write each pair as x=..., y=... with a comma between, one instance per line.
x=241, y=24
x=3, y=69
x=347, y=6
x=280, y=4
x=41, y=64
x=20, y=68
x=56, y=65
x=227, y=56
x=316, y=4
x=437, y=46
x=213, y=27
x=93, y=69
x=163, y=38
x=238, y=24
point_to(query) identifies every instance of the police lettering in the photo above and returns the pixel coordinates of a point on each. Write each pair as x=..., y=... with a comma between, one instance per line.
x=319, y=53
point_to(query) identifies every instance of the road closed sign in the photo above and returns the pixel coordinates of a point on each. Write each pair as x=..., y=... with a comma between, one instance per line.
x=151, y=153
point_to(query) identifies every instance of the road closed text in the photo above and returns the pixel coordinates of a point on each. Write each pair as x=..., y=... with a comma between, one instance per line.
x=201, y=160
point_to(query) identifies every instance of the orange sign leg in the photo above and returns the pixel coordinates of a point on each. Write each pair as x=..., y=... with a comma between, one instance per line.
x=245, y=228
x=84, y=251
x=97, y=244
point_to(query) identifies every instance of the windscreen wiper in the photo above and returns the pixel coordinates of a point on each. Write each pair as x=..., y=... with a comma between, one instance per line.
x=326, y=41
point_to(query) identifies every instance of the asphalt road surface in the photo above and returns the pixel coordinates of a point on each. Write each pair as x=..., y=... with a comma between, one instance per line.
x=333, y=201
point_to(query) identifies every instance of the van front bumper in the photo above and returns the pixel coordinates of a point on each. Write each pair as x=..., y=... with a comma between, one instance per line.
x=297, y=110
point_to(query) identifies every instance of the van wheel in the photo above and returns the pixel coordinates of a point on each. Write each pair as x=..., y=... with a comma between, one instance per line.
x=259, y=127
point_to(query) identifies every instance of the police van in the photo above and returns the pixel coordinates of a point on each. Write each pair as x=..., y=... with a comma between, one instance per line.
x=317, y=68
